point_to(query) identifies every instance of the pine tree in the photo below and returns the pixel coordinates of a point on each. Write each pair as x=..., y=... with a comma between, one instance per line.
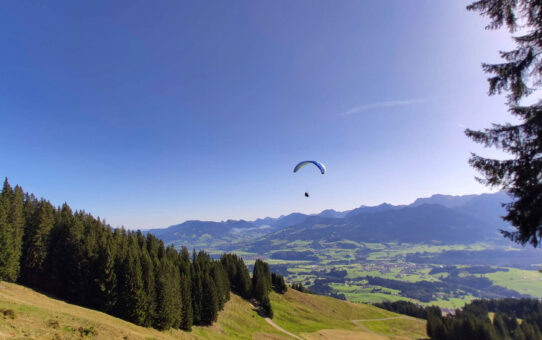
x=149, y=295
x=107, y=277
x=17, y=224
x=131, y=305
x=165, y=306
x=530, y=331
x=186, y=316
x=196, y=290
x=261, y=280
x=500, y=326
x=278, y=283
x=266, y=306
x=11, y=225
x=38, y=245
x=432, y=326
x=519, y=75
x=209, y=303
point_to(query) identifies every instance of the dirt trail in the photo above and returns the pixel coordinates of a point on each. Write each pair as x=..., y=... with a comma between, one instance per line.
x=269, y=321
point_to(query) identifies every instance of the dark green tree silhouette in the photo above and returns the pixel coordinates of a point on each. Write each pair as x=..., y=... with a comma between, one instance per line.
x=11, y=231
x=519, y=75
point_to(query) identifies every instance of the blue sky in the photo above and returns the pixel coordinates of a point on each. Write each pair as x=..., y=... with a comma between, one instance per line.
x=147, y=114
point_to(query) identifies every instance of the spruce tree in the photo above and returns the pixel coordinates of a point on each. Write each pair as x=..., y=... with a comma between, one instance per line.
x=209, y=303
x=186, y=315
x=107, y=277
x=149, y=288
x=266, y=306
x=17, y=224
x=11, y=224
x=196, y=290
x=131, y=285
x=519, y=76
x=38, y=245
x=165, y=295
x=530, y=331
x=500, y=326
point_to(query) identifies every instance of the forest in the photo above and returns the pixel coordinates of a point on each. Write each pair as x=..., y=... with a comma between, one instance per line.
x=516, y=319
x=74, y=256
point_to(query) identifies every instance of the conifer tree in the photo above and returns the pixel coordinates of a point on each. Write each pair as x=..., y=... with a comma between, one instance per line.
x=209, y=303
x=266, y=306
x=261, y=280
x=196, y=290
x=17, y=223
x=165, y=295
x=530, y=331
x=186, y=314
x=500, y=326
x=519, y=75
x=11, y=231
x=149, y=289
x=130, y=282
x=38, y=244
x=107, y=277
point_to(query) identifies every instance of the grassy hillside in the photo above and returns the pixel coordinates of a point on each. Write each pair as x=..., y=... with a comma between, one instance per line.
x=307, y=316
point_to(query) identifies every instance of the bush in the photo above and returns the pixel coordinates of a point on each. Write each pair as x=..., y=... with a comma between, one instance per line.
x=53, y=324
x=87, y=331
x=8, y=313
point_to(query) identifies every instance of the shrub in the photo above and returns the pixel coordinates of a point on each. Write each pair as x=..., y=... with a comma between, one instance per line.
x=8, y=313
x=53, y=324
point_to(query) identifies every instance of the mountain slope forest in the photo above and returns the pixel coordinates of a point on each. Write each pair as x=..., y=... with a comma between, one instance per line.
x=76, y=257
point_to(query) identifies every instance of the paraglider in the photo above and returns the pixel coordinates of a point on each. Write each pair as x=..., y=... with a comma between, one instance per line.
x=319, y=165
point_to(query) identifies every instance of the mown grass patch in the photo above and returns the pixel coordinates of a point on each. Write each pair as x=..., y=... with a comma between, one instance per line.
x=237, y=321
x=307, y=313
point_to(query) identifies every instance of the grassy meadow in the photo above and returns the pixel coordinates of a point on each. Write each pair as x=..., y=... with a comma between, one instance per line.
x=36, y=316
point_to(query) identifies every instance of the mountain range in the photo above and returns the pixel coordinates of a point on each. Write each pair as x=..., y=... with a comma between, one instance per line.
x=441, y=219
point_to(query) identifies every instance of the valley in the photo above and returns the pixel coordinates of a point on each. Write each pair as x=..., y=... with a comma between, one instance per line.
x=441, y=250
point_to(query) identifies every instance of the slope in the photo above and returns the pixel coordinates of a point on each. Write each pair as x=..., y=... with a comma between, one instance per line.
x=307, y=316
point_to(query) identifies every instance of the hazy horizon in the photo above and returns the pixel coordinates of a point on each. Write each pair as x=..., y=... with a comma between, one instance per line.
x=313, y=213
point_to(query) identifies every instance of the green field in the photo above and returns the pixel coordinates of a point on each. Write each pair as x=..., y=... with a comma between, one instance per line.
x=523, y=281
x=389, y=261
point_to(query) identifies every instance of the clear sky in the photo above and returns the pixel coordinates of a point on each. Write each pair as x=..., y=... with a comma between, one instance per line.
x=150, y=113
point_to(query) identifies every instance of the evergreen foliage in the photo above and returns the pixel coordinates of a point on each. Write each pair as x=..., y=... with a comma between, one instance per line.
x=278, y=283
x=299, y=287
x=81, y=259
x=238, y=274
x=11, y=231
x=266, y=306
x=409, y=308
x=519, y=76
x=473, y=322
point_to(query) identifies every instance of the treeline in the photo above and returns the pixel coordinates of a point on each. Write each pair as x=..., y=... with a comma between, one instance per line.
x=79, y=258
x=409, y=308
x=473, y=321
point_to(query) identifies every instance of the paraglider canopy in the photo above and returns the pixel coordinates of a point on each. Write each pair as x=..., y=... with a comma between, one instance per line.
x=318, y=164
